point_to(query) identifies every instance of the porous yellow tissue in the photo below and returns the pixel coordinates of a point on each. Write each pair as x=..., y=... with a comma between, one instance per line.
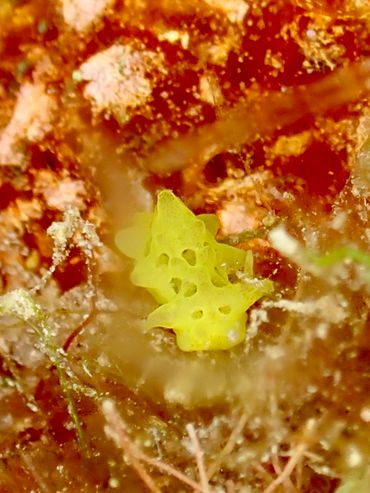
x=179, y=261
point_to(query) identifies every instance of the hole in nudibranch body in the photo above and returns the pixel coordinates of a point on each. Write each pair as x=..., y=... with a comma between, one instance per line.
x=197, y=315
x=190, y=289
x=225, y=309
x=189, y=256
x=176, y=284
x=218, y=281
x=163, y=260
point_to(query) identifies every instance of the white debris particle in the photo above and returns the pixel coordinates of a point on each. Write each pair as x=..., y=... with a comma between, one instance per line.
x=365, y=414
x=327, y=307
x=67, y=191
x=6, y=422
x=322, y=330
x=232, y=335
x=118, y=80
x=108, y=406
x=81, y=14
x=175, y=395
x=174, y=36
x=114, y=483
x=235, y=10
x=354, y=456
x=312, y=389
x=103, y=360
x=235, y=218
x=311, y=34
x=209, y=90
x=19, y=303
x=257, y=317
x=361, y=173
x=31, y=121
x=283, y=242
x=60, y=192
x=275, y=352
x=339, y=220
x=292, y=145
x=219, y=489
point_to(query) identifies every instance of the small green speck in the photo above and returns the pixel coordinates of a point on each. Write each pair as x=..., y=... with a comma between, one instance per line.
x=77, y=76
x=113, y=483
x=42, y=27
x=22, y=68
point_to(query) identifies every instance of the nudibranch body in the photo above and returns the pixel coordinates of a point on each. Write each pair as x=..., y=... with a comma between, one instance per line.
x=188, y=272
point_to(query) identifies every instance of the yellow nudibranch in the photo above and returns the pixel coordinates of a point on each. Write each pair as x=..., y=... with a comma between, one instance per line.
x=179, y=261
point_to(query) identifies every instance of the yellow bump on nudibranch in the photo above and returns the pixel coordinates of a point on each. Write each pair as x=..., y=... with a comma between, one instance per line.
x=179, y=261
